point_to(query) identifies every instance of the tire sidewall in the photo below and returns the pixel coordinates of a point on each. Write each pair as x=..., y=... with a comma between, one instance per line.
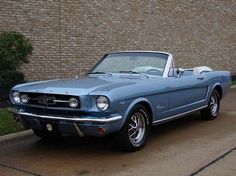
x=207, y=113
x=131, y=146
x=214, y=93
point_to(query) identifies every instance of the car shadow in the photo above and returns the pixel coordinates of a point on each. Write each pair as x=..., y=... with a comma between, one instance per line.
x=98, y=155
x=108, y=144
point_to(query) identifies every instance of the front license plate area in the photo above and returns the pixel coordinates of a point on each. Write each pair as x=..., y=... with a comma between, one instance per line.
x=49, y=126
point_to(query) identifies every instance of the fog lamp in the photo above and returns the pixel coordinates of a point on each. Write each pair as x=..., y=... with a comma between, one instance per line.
x=24, y=98
x=73, y=102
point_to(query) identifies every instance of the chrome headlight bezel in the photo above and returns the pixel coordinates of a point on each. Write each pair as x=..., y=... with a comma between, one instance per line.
x=73, y=102
x=102, y=103
x=16, y=97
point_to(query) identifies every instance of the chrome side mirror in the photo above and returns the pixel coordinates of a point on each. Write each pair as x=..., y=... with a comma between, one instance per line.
x=179, y=72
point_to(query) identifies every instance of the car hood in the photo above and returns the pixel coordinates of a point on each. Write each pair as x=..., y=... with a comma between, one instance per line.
x=81, y=86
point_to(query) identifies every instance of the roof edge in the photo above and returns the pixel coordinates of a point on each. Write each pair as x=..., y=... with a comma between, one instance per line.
x=139, y=51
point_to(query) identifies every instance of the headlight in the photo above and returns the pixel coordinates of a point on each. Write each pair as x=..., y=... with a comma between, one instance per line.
x=16, y=97
x=24, y=98
x=102, y=103
x=73, y=102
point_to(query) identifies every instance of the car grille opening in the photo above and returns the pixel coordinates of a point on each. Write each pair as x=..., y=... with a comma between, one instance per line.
x=50, y=100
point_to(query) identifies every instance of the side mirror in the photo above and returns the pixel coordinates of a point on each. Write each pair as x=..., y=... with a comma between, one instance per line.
x=179, y=72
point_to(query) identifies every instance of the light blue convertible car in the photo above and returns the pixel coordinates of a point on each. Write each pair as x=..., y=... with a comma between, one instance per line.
x=125, y=93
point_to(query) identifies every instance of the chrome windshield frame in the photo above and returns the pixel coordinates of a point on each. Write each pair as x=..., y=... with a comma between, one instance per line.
x=166, y=67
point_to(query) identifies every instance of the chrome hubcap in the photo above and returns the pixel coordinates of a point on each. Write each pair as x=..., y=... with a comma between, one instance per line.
x=137, y=128
x=214, y=105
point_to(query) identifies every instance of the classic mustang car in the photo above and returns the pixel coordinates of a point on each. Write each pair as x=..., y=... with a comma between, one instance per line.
x=125, y=93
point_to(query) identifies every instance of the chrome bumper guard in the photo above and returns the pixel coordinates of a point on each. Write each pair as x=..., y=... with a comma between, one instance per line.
x=72, y=119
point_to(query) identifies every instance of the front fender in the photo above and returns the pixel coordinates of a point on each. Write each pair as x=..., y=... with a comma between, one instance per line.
x=132, y=104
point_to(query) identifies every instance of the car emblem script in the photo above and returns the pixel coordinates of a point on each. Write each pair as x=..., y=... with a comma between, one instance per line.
x=46, y=100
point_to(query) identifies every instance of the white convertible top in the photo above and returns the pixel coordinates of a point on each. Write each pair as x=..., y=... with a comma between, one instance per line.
x=201, y=69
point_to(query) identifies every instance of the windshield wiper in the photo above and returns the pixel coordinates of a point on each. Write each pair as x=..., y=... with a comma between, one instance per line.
x=98, y=72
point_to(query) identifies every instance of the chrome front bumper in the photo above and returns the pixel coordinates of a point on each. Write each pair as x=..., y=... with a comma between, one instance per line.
x=101, y=120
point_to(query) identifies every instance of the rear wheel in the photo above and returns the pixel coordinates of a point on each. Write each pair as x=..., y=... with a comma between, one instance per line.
x=135, y=131
x=212, y=110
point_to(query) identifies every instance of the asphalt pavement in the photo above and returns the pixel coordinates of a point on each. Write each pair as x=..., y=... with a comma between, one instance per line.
x=184, y=147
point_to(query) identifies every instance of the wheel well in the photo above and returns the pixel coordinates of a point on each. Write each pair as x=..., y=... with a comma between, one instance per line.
x=147, y=105
x=219, y=90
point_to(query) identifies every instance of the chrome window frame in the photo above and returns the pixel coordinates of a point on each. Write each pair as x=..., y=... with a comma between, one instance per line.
x=169, y=63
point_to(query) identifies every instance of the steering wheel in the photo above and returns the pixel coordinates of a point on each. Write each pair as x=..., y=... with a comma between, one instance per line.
x=154, y=72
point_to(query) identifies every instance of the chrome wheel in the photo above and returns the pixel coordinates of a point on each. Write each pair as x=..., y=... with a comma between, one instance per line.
x=212, y=110
x=137, y=127
x=214, y=105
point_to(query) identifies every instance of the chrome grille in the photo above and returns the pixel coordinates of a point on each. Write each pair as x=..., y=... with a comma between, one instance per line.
x=50, y=100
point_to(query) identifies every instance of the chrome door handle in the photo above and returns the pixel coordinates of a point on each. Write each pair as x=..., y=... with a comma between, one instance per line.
x=201, y=78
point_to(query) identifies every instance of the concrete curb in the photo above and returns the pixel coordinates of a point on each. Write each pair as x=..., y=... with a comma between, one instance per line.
x=233, y=87
x=15, y=136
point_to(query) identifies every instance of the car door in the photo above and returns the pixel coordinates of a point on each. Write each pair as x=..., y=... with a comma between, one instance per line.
x=186, y=93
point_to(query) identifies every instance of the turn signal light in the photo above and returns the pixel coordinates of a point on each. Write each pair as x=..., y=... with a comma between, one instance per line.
x=101, y=131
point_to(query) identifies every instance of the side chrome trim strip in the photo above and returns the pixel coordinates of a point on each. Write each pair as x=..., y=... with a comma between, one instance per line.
x=178, y=115
x=73, y=119
x=201, y=101
x=207, y=93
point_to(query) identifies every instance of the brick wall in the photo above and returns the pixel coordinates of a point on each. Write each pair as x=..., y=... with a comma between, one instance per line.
x=69, y=36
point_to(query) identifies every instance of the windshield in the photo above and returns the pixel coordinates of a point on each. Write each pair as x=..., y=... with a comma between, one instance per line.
x=136, y=63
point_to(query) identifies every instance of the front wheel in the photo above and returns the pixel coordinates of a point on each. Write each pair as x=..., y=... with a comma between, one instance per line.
x=212, y=110
x=135, y=131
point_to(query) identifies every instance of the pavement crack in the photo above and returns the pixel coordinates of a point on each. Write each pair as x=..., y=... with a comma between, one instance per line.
x=212, y=162
x=20, y=170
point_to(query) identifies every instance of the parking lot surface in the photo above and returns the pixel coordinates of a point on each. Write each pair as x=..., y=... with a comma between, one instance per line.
x=188, y=146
